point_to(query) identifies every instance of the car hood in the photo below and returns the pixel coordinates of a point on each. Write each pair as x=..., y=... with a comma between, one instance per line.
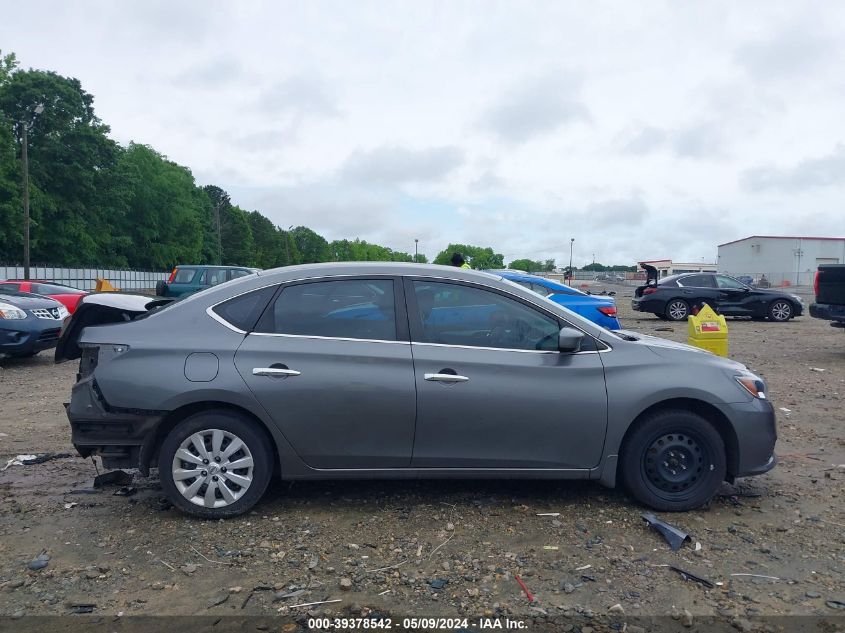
x=669, y=349
x=102, y=309
x=28, y=301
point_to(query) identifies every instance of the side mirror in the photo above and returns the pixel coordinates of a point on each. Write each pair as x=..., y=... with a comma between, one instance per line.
x=569, y=340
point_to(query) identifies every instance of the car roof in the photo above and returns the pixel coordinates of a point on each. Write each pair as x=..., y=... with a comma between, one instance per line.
x=535, y=279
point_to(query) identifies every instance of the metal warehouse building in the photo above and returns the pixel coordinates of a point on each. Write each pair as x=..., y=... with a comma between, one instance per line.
x=782, y=261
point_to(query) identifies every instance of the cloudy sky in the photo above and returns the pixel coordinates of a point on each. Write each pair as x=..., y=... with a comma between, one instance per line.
x=643, y=130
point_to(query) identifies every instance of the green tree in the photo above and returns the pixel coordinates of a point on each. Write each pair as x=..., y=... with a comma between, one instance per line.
x=8, y=64
x=272, y=247
x=478, y=257
x=528, y=265
x=164, y=210
x=311, y=247
x=70, y=158
x=11, y=240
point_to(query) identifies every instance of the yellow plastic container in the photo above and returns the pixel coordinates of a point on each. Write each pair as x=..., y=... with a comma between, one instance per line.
x=709, y=331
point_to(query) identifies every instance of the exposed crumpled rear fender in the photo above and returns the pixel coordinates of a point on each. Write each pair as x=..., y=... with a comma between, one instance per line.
x=102, y=309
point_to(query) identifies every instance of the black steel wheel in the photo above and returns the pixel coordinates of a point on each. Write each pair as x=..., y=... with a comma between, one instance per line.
x=673, y=460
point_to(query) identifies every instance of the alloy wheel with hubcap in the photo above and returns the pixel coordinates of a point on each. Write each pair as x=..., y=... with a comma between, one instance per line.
x=216, y=464
x=780, y=310
x=212, y=468
x=677, y=310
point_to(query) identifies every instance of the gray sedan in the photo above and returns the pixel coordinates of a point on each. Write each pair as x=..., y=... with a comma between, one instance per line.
x=377, y=370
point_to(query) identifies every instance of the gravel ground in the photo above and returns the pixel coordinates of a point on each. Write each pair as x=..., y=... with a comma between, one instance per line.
x=772, y=545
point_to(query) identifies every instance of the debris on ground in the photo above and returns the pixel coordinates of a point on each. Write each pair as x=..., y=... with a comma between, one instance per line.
x=113, y=477
x=18, y=460
x=686, y=575
x=528, y=594
x=675, y=537
x=218, y=599
x=39, y=562
x=81, y=607
x=125, y=491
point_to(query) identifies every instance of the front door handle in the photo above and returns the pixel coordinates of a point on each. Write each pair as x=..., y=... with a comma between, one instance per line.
x=274, y=372
x=449, y=378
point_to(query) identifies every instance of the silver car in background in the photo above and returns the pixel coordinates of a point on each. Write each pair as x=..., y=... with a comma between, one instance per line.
x=387, y=370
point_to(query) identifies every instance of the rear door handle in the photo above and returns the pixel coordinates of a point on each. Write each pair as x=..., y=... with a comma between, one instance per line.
x=445, y=378
x=274, y=372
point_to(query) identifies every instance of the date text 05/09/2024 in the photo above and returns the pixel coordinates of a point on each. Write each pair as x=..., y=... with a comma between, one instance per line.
x=445, y=624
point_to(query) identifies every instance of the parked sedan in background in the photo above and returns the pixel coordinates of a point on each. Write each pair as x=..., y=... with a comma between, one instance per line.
x=599, y=310
x=28, y=323
x=673, y=298
x=69, y=297
x=389, y=370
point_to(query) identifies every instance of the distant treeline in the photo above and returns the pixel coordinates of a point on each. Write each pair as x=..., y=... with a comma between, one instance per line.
x=93, y=201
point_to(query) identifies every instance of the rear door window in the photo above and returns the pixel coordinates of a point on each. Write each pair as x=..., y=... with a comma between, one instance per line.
x=352, y=308
x=213, y=276
x=184, y=275
x=697, y=281
x=14, y=287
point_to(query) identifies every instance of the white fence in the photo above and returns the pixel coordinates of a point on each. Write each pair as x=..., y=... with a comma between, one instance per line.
x=86, y=278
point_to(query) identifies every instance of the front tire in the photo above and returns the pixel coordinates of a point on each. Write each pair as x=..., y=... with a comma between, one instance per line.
x=677, y=310
x=215, y=464
x=674, y=460
x=780, y=310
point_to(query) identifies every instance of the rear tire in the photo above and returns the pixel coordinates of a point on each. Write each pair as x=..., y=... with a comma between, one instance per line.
x=161, y=289
x=780, y=310
x=677, y=310
x=215, y=464
x=674, y=460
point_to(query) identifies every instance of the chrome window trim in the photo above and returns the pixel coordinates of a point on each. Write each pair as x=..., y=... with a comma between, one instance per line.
x=513, y=349
x=222, y=321
x=328, y=338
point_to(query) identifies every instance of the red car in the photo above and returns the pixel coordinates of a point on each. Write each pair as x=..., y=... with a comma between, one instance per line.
x=65, y=295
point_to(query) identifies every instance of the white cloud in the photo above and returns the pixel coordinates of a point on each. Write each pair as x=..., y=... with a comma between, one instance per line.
x=655, y=129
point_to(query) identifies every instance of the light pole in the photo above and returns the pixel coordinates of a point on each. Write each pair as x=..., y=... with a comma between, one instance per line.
x=416, y=250
x=25, y=127
x=571, y=245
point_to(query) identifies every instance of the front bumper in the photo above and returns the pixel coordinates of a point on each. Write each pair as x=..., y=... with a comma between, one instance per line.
x=21, y=337
x=756, y=434
x=123, y=438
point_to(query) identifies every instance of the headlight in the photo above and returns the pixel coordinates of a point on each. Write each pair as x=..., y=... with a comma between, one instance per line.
x=8, y=311
x=797, y=298
x=63, y=312
x=752, y=384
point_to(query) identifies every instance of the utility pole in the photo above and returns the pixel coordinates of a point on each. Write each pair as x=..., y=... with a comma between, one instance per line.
x=25, y=159
x=219, y=233
x=25, y=125
x=416, y=250
x=571, y=245
x=287, y=243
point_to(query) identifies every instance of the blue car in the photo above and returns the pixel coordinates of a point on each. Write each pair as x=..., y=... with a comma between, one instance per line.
x=29, y=323
x=599, y=310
